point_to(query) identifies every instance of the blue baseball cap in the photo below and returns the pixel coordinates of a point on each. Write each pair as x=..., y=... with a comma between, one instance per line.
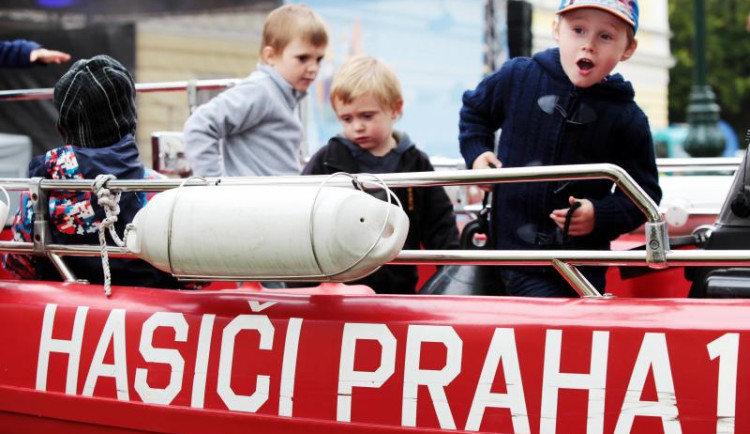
x=626, y=10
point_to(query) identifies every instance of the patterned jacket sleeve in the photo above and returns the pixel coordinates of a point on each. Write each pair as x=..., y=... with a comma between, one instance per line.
x=23, y=266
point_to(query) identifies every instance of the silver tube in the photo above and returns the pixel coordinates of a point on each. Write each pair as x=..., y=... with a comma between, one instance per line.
x=173, y=86
x=62, y=268
x=424, y=179
x=626, y=258
x=664, y=165
x=578, y=281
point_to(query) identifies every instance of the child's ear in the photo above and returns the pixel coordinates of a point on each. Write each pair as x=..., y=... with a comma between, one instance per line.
x=629, y=51
x=267, y=54
x=397, y=111
x=556, y=29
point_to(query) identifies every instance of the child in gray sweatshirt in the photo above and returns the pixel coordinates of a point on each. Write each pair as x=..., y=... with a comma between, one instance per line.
x=254, y=129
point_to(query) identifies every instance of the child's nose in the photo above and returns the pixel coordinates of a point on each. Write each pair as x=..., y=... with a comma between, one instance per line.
x=589, y=45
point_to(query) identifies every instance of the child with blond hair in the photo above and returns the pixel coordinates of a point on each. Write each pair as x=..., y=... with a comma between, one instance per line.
x=366, y=96
x=254, y=128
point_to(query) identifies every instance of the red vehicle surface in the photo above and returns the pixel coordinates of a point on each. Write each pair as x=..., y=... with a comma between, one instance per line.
x=276, y=361
x=336, y=358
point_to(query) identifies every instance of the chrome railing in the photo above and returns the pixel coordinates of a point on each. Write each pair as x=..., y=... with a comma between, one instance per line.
x=664, y=165
x=173, y=86
x=657, y=254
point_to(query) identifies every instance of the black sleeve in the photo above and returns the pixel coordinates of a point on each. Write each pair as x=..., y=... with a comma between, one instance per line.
x=438, y=230
x=316, y=164
x=617, y=214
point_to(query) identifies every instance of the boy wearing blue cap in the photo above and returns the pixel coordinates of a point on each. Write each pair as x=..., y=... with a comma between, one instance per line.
x=562, y=106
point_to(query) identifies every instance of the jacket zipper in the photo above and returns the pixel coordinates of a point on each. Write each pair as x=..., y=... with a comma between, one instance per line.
x=546, y=225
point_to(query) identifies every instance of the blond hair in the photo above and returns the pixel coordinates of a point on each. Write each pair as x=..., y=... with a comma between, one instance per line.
x=364, y=74
x=291, y=21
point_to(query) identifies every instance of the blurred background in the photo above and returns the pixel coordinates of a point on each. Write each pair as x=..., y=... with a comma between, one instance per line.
x=438, y=48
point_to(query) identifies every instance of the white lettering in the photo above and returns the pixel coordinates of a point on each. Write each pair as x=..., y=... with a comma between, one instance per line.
x=72, y=348
x=170, y=357
x=726, y=348
x=653, y=355
x=289, y=366
x=201, y=360
x=435, y=380
x=233, y=401
x=258, y=307
x=502, y=347
x=595, y=381
x=114, y=331
x=348, y=377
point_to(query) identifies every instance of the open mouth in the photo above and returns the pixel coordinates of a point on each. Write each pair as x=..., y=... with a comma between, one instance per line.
x=585, y=64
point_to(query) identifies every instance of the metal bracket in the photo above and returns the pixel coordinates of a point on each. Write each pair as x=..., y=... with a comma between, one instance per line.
x=192, y=95
x=40, y=202
x=657, y=244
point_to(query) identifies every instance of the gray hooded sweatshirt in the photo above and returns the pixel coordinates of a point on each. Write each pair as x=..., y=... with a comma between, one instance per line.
x=252, y=129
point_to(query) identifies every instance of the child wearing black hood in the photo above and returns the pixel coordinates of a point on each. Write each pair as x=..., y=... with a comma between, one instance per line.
x=366, y=96
x=95, y=100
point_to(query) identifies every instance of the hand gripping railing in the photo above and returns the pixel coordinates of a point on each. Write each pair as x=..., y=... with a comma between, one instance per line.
x=657, y=251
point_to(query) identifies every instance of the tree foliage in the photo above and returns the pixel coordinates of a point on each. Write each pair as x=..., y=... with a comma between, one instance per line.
x=727, y=57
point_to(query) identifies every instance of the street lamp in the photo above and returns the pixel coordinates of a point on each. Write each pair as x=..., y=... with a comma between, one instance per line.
x=704, y=138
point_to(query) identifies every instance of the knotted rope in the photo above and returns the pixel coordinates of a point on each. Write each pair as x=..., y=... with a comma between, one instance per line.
x=110, y=202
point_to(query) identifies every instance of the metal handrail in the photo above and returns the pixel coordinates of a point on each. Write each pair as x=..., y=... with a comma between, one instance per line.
x=409, y=179
x=171, y=86
x=664, y=165
x=657, y=243
x=618, y=258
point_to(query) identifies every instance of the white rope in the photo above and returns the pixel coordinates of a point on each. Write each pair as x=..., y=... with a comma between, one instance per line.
x=110, y=203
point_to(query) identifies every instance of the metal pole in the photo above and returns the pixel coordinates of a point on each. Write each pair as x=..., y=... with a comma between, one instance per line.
x=704, y=137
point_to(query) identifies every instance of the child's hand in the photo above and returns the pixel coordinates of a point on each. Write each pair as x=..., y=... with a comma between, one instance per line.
x=44, y=55
x=582, y=221
x=487, y=160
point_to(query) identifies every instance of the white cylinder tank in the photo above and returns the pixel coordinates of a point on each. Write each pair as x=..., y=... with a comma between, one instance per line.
x=265, y=232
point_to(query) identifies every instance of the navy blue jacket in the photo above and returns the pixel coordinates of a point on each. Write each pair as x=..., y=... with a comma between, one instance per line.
x=599, y=124
x=74, y=215
x=430, y=212
x=16, y=53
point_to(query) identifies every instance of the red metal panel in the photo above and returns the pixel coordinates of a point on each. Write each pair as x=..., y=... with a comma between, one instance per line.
x=440, y=348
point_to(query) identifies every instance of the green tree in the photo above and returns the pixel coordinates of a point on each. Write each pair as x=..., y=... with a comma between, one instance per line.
x=727, y=55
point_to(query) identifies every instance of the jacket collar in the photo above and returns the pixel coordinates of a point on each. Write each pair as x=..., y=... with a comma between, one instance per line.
x=340, y=157
x=120, y=159
x=291, y=95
